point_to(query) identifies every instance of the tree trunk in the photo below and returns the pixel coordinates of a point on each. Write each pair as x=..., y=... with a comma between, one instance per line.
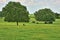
x=17, y=23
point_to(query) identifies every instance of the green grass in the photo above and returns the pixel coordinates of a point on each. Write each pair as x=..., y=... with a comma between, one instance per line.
x=9, y=31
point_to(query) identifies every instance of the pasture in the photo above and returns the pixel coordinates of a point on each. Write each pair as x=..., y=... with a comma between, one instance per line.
x=32, y=31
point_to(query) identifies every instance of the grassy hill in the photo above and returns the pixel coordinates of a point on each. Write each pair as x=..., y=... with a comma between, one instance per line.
x=32, y=31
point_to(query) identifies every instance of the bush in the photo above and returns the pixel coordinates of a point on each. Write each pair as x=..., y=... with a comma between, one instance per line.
x=33, y=21
x=24, y=25
x=48, y=22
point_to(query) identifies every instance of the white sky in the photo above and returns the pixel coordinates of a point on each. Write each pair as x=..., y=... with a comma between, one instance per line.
x=34, y=5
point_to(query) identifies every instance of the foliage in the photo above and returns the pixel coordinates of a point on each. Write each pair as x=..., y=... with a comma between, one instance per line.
x=15, y=12
x=31, y=16
x=1, y=15
x=44, y=15
x=57, y=15
x=33, y=21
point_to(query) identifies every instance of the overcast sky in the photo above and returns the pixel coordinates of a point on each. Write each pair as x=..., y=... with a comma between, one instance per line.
x=34, y=5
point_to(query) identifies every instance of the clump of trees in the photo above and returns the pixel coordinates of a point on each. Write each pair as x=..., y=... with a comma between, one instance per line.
x=15, y=12
x=45, y=15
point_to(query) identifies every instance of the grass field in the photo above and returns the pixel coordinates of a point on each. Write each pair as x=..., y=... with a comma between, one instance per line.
x=9, y=31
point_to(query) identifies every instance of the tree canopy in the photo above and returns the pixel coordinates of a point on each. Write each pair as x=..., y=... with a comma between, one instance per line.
x=44, y=15
x=15, y=12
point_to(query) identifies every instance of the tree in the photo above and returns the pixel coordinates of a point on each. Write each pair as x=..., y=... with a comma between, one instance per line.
x=57, y=15
x=45, y=15
x=1, y=15
x=15, y=12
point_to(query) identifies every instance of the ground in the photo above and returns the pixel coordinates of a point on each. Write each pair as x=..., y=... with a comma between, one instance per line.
x=31, y=31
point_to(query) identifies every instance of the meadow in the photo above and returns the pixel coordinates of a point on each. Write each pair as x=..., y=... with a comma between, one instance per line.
x=31, y=31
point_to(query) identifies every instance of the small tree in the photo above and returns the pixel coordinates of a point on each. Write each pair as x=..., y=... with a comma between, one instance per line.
x=57, y=15
x=45, y=15
x=15, y=12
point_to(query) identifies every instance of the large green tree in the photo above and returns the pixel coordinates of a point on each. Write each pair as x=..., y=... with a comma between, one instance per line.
x=45, y=15
x=15, y=12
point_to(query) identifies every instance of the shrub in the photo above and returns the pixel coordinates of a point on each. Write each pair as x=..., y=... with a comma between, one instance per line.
x=33, y=21
x=48, y=22
x=24, y=25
